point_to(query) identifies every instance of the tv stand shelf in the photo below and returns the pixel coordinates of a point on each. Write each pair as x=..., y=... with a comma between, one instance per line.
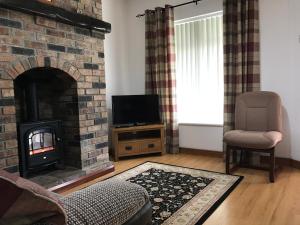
x=138, y=140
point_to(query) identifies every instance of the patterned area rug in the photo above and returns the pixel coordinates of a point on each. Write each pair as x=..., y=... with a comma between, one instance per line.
x=181, y=196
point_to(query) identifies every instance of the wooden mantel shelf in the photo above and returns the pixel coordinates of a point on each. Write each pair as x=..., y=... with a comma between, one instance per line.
x=58, y=14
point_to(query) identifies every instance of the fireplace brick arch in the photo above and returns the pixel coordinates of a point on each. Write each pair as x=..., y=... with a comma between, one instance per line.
x=92, y=114
x=20, y=66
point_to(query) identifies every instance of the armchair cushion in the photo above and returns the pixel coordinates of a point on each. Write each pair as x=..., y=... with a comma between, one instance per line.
x=253, y=139
x=258, y=111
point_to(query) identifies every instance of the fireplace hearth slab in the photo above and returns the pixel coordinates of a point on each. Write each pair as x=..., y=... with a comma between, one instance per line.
x=82, y=180
x=57, y=177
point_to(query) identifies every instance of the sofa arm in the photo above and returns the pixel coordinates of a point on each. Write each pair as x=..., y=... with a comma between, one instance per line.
x=111, y=202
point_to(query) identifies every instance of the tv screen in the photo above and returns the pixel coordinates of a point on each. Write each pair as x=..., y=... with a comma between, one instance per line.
x=135, y=109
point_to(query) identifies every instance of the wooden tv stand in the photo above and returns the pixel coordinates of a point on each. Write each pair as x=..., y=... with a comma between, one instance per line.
x=138, y=140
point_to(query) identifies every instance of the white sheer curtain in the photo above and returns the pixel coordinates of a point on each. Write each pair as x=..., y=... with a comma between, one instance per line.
x=199, y=68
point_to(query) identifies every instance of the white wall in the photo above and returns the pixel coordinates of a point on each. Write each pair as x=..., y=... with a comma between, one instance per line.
x=280, y=54
x=115, y=45
x=295, y=110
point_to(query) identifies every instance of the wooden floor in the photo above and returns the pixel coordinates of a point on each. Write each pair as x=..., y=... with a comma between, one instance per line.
x=254, y=202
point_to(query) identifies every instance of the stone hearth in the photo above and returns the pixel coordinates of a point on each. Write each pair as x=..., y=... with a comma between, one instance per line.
x=28, y=43
x=52, y=178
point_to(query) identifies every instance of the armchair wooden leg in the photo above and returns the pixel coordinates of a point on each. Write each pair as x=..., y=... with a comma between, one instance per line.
x=227, y=161
x=272, y=166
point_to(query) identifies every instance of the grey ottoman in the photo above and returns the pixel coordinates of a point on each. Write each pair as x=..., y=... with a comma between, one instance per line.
x=111, y=202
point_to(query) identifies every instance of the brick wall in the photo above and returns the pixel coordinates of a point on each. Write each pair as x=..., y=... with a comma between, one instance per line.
x=87, y=7
x=27, y=42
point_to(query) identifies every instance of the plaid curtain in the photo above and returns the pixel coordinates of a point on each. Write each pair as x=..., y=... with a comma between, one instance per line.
x=160, y=69
x=241, y=53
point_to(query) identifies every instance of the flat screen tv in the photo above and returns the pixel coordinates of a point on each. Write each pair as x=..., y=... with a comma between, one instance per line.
x=131, y=110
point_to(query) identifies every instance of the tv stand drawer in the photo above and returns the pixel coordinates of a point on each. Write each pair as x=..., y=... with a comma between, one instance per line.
x=151, y=146
x=128, y=148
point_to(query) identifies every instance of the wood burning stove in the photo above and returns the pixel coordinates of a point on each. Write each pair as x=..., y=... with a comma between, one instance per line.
x=40, y=142
x=40, y=145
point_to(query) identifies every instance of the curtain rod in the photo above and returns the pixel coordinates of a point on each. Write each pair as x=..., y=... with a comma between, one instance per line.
x=175, y=6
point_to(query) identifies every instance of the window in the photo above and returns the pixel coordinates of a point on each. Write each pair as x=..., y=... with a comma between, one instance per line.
x=199, y=69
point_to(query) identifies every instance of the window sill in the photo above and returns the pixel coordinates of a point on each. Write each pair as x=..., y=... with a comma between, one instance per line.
x=200, y=125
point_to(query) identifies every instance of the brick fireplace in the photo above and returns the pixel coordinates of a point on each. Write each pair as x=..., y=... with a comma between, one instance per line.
x=68, y=63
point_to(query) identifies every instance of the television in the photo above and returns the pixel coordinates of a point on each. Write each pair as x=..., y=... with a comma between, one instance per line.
x=133, y=110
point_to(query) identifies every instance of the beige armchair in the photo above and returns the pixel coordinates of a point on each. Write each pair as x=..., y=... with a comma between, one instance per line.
x=258, y=126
